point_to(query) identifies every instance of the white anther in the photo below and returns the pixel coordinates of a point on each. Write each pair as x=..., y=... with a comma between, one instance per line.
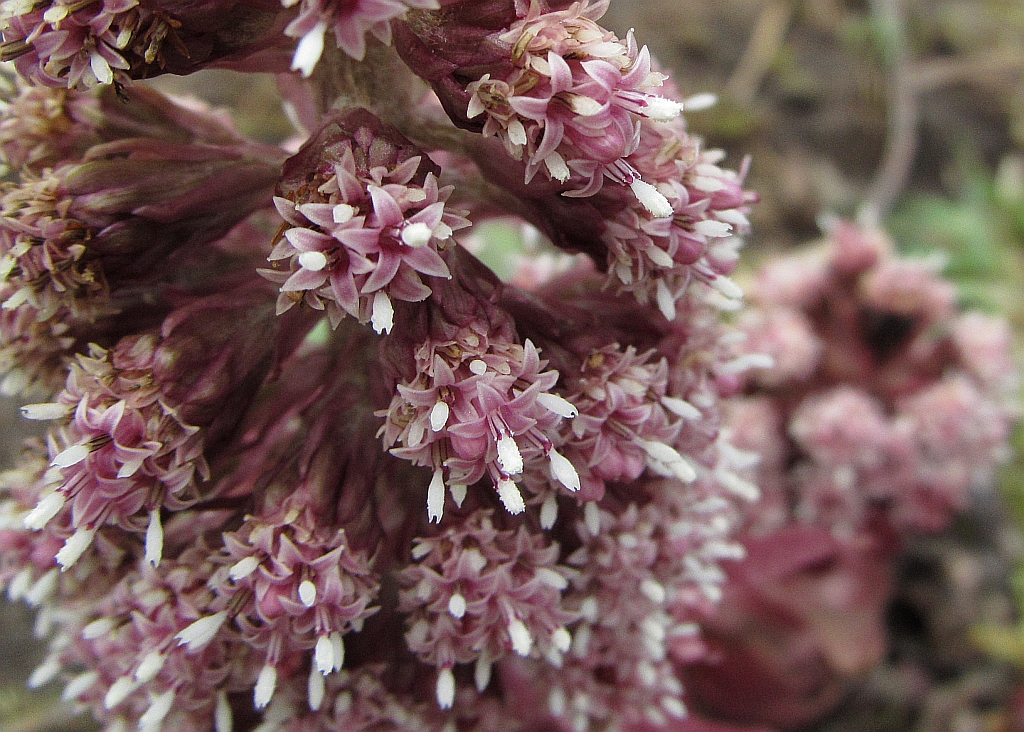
x=313, y=261
x=416, y=234
x=307, y=593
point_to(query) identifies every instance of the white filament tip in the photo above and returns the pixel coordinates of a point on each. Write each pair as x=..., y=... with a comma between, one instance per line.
x=417, y=234
x=435, y=497
x=266, y=683
x=309, y=50
x=445, y=688
x=510, y=496
x=510, y=460
x=563, y=471
x=313, y=261
x=651, y=199
x=154, y=539
x=382, y=317
x=307, y=593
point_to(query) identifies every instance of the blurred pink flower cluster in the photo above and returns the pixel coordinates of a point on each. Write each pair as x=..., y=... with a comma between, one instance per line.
x=310, y=464
x=879, y=409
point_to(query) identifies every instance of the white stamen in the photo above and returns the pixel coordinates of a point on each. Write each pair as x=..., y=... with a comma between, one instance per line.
x=79, y=685
x=727, y=287
x=458, y=491
x=98, y=628
x=712, y=228
x=45, y=410
x=562, y=640
x=150, y=666
x=510, y=460
x=159, y=706
x=445, y=688
x=202, y=631
x=520, y=637
x=584, y=106
x=439, y=416
x=684, y=470
x=316, y=689
x=673, y=706
x=516, y=132
x=43, y=588
x=338, y=648
x=323, y=655
x=420, y=550
x=563, y=471
x=746, y=362
x=435, y=497
x=243, y=568
x=557, y=702
x=510, y=496
x=70, y=456
x=742, y=488
x=651, y=199
x=457, y=605
x=154, y=539
x=416, y=234
x=309, y=50
x=307, y=593
x=478, y=366
x=589, y=609
x=660, y=109
x=48, y=507
x=482, y=672
x=592, y=518
x=681, y=408
x=101, y=69
x=44, y=673
x=474, y=559
x=653, y=591
x=551, y=578
x=557, y=168
x=223, y=719
x=74, y=547
x=549, y=512
x=383, y=316
x=700, y=102
x=55, y=13
x=666, y=301
x=560, y=406
x=343, y=213
x=266, y=682
x=313, y=261
x=20, y=585
x=660, y=451
x=119, y=691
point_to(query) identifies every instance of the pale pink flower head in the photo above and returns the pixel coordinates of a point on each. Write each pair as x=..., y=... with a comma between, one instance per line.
x=128, y=442
x=79, y=45
x=476, y=594
x=365, y=228
x=349, y=20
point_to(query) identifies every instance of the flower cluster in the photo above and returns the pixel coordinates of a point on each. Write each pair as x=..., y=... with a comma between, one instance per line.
x=882, y=398
x=883, y=408
x=310, y=464
x=571, y=102
x=77, y=45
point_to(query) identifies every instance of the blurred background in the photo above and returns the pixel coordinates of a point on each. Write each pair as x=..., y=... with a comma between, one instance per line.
x=905, y=113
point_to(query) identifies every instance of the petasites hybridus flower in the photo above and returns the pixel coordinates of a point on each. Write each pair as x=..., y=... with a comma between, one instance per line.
x=884, y=409
x=365, y=221
x=77, y=45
